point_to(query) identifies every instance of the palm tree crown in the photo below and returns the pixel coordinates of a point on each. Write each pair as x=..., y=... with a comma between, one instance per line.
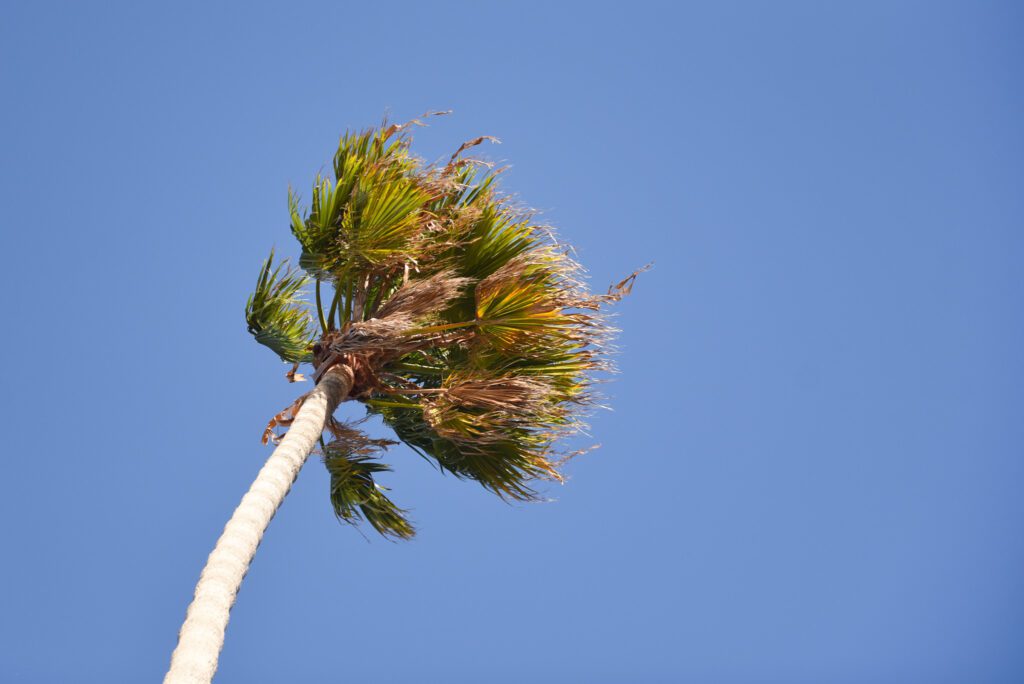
x=467, y=327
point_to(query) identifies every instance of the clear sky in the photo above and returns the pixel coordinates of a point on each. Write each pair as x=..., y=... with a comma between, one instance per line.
x=814, y=465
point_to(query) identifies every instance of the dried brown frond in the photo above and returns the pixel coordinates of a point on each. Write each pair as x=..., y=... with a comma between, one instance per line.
x=353, y=441
x=293, y=375
x=282, y=419
x=472, y=143
x=419, y=299
x=510, y=394
x=625, y=286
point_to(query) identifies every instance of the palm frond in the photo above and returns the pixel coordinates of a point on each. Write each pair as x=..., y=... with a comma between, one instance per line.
x=493, y=237
x=351, y=461
x=505, y=463
x=382, y=221
x=275, y=314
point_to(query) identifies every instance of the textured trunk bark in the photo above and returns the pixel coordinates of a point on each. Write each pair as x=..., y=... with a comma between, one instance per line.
x=202, y=635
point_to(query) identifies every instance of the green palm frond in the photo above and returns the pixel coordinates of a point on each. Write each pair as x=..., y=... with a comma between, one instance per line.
x=487, y=233
x=477, y=338
x=383, y=219
x=355, y=495
x=367, y=213
x=503, y=465
x=275, y=315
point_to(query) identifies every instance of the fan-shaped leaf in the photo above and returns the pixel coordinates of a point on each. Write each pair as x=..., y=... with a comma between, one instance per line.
x=275, y=313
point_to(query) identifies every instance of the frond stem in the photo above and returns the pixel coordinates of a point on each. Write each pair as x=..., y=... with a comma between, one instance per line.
x=320, y=308
x=413, y=368
x=440, y=328
x=418, y=390
x=348, y=301
x=334, y=307
x=392, y=404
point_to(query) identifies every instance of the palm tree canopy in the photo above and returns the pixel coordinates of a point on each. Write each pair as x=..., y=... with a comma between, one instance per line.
x=468, y=327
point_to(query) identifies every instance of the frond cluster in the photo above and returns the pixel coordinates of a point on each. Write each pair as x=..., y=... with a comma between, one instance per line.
x=351, y=460
x=469, y=328
x=276, y=315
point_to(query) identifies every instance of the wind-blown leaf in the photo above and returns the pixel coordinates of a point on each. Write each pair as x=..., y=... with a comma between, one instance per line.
x=275, y=315
x=355, y=495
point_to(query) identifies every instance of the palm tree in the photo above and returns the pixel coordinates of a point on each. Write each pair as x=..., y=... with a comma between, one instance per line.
x=452, y=315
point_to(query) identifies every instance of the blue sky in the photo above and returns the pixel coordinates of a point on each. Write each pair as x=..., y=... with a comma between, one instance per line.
x=812, y=468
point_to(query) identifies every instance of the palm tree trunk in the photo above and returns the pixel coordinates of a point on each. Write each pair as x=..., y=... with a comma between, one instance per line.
x=202, y=635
